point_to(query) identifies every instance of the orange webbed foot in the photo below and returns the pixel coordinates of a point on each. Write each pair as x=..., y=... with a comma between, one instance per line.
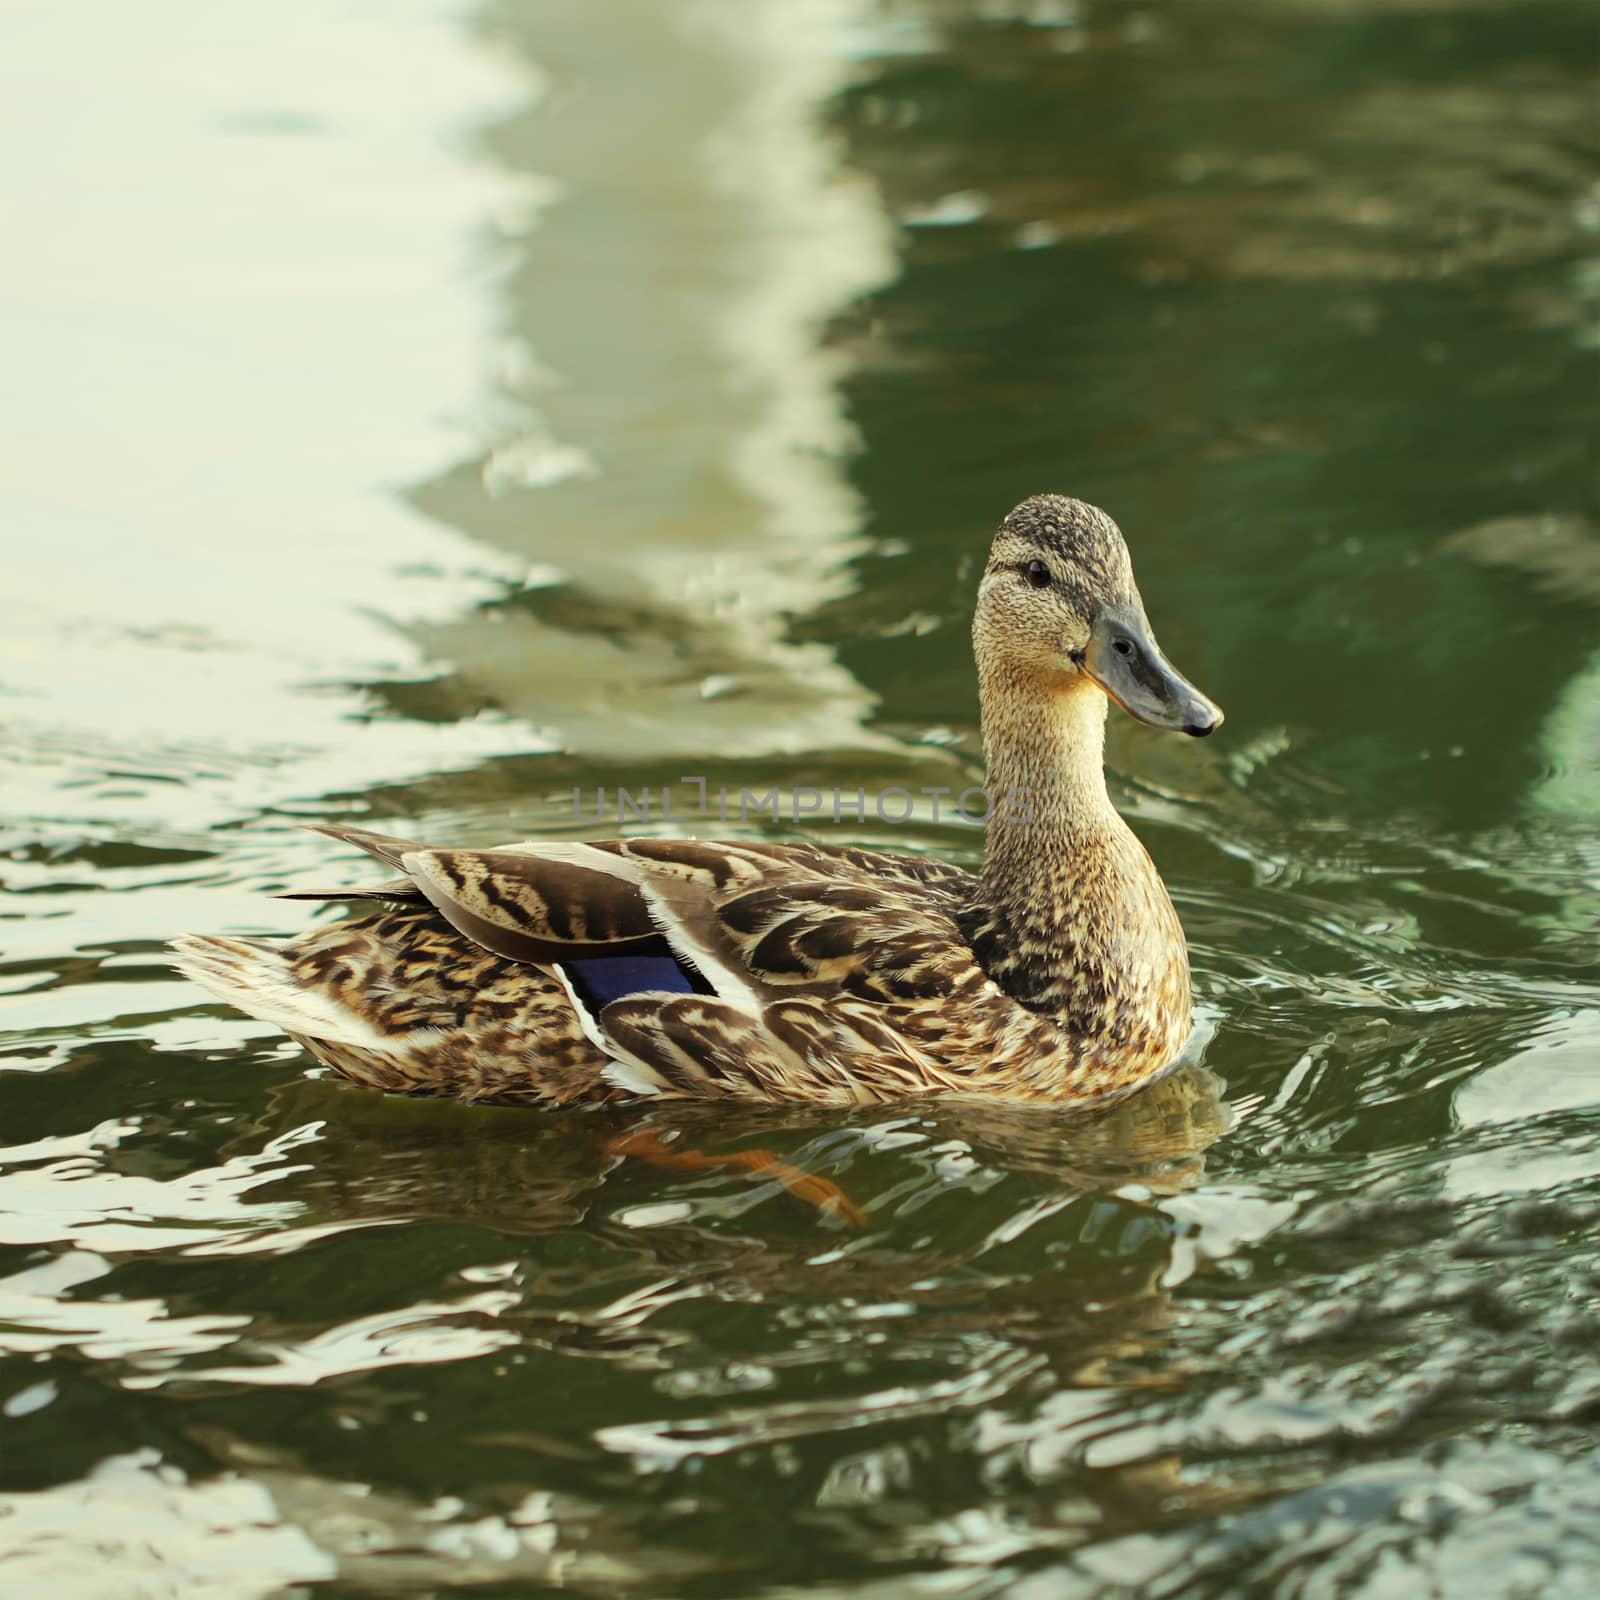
x=646, y=1144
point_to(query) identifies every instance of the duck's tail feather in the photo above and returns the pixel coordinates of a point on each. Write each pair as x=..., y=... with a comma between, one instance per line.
x=257, y=976
x=387, y=847
x=464, y=1023
x=398, y=891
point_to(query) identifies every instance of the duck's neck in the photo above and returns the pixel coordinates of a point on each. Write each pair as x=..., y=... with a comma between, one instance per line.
x=1057, y=862
x=1044, y=748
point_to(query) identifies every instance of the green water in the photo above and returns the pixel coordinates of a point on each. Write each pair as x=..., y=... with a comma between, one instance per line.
x=414, y=412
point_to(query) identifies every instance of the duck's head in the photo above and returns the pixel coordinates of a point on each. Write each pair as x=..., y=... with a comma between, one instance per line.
x=1058, y=606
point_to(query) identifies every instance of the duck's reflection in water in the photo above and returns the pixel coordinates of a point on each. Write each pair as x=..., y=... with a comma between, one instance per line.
x=972, y=1214
x=1001, y=1309
x=528, y=1172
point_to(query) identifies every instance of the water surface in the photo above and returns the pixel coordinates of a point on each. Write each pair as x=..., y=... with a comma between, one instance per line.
x=414, y=413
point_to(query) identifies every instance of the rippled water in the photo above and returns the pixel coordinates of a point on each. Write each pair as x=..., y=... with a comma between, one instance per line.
x=413, y=413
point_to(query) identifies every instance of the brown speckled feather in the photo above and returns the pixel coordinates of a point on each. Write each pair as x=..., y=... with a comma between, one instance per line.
x=835, y=985
x=400, y=1001
x=836, y=975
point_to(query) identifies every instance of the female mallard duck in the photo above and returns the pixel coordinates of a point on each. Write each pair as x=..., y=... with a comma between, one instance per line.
x=560, y=972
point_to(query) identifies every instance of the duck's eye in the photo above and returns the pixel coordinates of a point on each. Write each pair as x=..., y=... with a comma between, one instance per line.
x=1038, y=574
x=1123, y=647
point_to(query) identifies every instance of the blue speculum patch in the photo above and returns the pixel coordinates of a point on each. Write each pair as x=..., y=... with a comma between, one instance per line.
x=598, y=980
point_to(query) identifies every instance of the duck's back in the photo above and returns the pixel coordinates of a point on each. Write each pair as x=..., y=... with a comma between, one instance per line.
x=657, y=967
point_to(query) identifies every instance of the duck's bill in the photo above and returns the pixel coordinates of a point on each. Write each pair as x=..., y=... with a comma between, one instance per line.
x=1125, y=660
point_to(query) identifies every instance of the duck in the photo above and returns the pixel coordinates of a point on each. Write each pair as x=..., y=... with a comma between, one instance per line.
x=559, y=973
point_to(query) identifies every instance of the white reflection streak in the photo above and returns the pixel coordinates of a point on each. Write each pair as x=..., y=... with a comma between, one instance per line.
x=660, y=1446
x=700, y=388
x=418, y=1335
x=72, y=1198
x=35, y=1318
x=200, y=414
x=818, y=240
x=59, y=1191
x=136, y=1525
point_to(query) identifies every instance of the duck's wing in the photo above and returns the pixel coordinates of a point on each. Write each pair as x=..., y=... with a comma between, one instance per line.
x=805, y=973
x=758, y=922
x=519, y=901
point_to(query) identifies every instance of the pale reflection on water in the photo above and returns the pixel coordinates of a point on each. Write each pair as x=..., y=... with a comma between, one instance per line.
x=709, y=504
x=228, y=223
